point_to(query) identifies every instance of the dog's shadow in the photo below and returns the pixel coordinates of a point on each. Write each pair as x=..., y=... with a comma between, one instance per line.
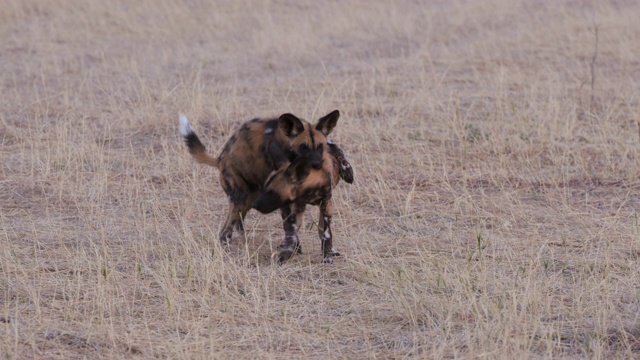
x=260, y=248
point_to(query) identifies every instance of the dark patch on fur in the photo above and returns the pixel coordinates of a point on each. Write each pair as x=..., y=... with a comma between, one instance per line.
x=272, y=124
x=227, y=146
x=313, y=141
x=275, y=154
x=245, y=134
x=267, y=202
x=236, y=193
x=250, y=186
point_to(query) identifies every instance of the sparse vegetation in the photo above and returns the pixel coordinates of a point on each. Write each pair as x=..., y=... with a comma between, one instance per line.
x=493, y=214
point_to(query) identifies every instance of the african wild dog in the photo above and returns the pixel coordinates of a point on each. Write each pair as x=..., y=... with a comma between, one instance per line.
x=255, y=150
x=300, y=184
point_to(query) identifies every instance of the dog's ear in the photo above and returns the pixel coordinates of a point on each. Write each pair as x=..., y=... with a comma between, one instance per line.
x=328, y=122
x=299, y=170
x=291, y=125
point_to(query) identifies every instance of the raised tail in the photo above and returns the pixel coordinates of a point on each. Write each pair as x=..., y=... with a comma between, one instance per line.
x=195, y=146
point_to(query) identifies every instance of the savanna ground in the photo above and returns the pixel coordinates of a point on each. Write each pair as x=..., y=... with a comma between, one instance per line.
x=494, y=214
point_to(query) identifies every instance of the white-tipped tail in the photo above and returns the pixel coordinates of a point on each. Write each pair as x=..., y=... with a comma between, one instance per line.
x=194, y=145
x=185, y=127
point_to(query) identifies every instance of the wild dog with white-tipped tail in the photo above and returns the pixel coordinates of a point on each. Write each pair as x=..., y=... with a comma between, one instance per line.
x=257, y=149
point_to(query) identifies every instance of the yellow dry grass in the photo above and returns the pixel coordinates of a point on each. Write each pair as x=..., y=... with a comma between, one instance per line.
x=494, y=212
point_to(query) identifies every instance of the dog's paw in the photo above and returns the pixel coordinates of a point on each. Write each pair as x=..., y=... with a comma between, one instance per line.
x=328, y=259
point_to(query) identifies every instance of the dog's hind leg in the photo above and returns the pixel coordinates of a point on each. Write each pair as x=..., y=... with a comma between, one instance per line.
x=324, y=230
x=234, y=220
x=239, y=225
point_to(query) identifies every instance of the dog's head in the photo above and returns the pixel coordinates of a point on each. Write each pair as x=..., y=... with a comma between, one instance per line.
x=306, y=140
x=298, y=181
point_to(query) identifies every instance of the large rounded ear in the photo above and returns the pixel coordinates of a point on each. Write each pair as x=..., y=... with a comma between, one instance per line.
x=299, y=169
x=328, y=122
x=291, y=125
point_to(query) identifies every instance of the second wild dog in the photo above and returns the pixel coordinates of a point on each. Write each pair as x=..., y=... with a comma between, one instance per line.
x=291, y=188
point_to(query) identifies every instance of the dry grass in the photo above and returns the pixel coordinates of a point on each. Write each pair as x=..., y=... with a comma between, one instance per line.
x=494, y=213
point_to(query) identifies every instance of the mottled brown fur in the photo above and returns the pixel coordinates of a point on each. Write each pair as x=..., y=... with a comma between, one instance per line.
x=254, y=151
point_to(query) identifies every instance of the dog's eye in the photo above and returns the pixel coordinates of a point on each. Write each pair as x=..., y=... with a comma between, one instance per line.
x=304, y=147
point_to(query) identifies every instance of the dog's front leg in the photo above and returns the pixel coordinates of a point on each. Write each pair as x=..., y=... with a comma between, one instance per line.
x=292, y=218
x=324, y=230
